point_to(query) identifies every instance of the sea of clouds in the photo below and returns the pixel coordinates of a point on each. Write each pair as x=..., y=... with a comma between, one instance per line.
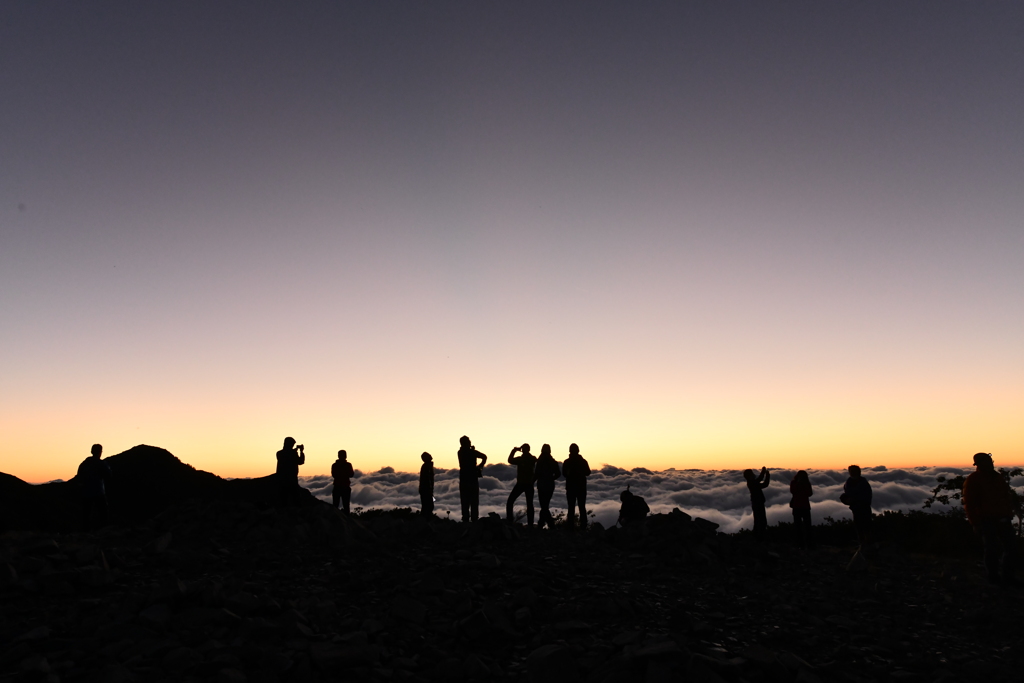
x=718, y=495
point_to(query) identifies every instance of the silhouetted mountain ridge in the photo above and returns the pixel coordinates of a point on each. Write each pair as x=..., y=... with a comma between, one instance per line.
x=144, y=481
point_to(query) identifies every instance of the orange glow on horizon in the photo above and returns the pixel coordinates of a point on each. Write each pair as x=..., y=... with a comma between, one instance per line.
x=905, y=429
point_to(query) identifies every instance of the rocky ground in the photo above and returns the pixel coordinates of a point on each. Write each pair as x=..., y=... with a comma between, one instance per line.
x=239, y=592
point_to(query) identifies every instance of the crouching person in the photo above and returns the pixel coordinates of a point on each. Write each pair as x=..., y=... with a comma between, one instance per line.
x=633, y=512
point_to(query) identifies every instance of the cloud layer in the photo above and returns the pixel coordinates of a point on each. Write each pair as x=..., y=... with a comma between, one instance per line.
x=717, y=495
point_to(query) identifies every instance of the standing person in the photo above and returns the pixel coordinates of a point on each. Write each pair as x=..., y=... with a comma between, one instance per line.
x=342, y=472
x=757, y=485
x=800, y=487
x=576, y=470
x=988, y=502
x=525, y=468
x=427, y=483
x=469, y=479
x=288, y=460
x=546, y=472
x=857, y=494
x=92, y=476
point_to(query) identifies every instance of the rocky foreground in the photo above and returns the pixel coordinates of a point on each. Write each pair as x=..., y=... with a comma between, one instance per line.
x=240, y=592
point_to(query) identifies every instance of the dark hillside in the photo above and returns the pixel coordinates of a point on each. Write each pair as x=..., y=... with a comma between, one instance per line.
x=145, y=480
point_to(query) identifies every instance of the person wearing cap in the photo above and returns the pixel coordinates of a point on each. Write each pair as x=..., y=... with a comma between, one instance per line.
x=988, y=502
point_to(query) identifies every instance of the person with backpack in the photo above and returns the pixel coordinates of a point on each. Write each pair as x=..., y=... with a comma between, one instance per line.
x=800, y=488
x=857, y=494
x=633, y=511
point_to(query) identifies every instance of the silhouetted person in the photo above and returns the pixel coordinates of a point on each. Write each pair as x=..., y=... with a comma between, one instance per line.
x=288, y=460
x=546, y=472
x=633, y=511
x=525, y=466
x=576, y=470
x=757, y=485
x=92, y=476
x=988, y=502
x=857, y=494
x=427, y=483
x=342, y=472
x=469, y=479
x=800, y=488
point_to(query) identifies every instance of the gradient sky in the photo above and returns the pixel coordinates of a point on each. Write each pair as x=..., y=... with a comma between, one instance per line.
x=682, y=235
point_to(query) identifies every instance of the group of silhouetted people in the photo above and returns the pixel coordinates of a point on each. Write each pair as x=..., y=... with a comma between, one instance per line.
x=856, y=494
x=531, y=470
x=987, y=497
x=533, y=474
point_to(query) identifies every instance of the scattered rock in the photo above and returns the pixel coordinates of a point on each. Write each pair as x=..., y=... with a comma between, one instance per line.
x=682, y=602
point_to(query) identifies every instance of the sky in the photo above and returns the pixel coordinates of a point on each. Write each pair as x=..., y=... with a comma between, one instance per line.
x=700, y=235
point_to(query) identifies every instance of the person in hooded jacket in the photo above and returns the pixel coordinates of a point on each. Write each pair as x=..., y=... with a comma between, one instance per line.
x=546, y=472
x=800, y=488
x=576, y=469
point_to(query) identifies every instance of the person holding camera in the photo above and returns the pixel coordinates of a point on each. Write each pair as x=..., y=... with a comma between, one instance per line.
x=288, y=460
x=756, y=483
x=469, y=478
x=525, y=465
